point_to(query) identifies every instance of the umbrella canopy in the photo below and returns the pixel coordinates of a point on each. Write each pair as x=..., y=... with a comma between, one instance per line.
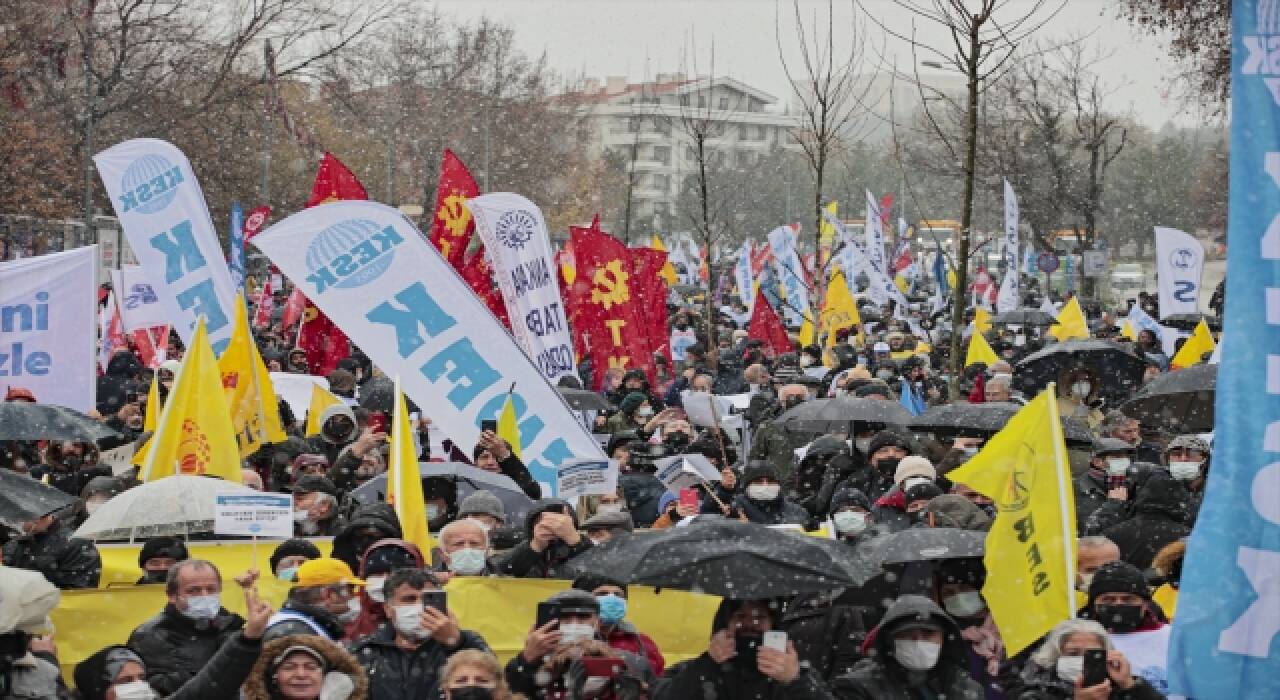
x=175, y=505
x=732, y=559
x=466, y=478
x=1177, y=402
x=378, y=394
x=987, y=419
x=23, y=498
x=20, y=420
x=1188, y=322
x=1118, y=371
x=842, y=413
x=921, y=544
x=1024, y=317
x=583, y=400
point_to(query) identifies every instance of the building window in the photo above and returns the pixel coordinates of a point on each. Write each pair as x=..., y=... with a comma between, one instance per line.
x=702, y=100
x=762, y=133
x=662, y=154
x=744, y=159
x=662, y=125
x=724, y=103
x=684, y=100
x=661, y=183
x=633, y=124
x=689, y=153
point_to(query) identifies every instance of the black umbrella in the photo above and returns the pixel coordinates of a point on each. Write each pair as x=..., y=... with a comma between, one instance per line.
x=842, y=413
x=466, y=478
x=583, y=400
x=1177, y=402
x=920, y=544
x=23, y=498
x=1188, y=322
x=378, y=394
x=736, y=560
x=1117, y=370
x=1024, y=317
x=987, y=419
x=20, y=420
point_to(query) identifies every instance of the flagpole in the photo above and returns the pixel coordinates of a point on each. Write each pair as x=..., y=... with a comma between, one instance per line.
x=1060, y=467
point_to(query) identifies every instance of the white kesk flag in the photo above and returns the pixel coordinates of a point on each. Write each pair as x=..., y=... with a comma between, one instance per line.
x=873, y=234
x=49, y=326
x=515, y=237
x=376, y=276
x=1008, y=297
x=1179, y=262
x=140, y=306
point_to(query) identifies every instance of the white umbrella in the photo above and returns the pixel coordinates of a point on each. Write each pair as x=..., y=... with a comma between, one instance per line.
x=174, y=505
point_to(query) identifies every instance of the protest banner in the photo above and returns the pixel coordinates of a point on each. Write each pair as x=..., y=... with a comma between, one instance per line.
x=587, y=477
x=48, y=326
x=790, y=273
x=873, y=233
x=704, y=408
x=379, y=279
x=162, y=210
x=1179, y=265
x=259, y=515
x=1008, y=300
x=685, y=471
x=515, y=235
x=140, y=307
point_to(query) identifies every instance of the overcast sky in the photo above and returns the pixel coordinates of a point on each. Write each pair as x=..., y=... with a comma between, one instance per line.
x=639, y=38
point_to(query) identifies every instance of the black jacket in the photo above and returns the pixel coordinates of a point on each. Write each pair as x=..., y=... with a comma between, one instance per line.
x=827, y=633
x=69, y=481
x=175, y=648
x=378, y=516
x=1159, y=518
x=396, y=674
x=1035, y=683
x=287, y=622
x=1090, y=494
x=220, y=678
x=522, y=562
x=522, y=677
x=68, y=562
x=881, y=677
x=519, y=473
x=642, y=491
x=776, y=512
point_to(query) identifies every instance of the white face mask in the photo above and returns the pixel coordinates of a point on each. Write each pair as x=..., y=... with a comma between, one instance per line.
x=863, y=444
x=645, y=413
x=1117, y=466
x=969, y=451
x=300, y=515
x=352, y=612
x=575, y=632
x=203, y=607
x=1081, y=389
x=805, y=361
x=373, y=586
x=916, y=655
x=1070, y=668
x=91, y=506
x=594, y=686
x=914, y=481
x=1182, y=471
x=966, y=604
x=134, y=690
x=763, y=492
x=467, y=561
x=433, y=511
x=1085, y=580
x=609, y=508
x=408, y=621
x=1003, y=375
x=850, y=522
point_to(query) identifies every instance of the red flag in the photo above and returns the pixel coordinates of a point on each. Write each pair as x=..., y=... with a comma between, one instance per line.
x=266, y=304
x=765, y=325
x=255, y=222
x=452, y=226
x=603, y=302
x=478, y=275
x=646, y=270
x=886, y=209
x=147, y=346
x=334, y=181
x=322, y=340
x=294, y=306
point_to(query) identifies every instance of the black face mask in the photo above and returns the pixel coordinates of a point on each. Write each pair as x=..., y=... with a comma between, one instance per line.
x=154, y=576
x=887, y=465
x=471, y=692
x=1119, y=618
x=676, y=441
x=748, y=645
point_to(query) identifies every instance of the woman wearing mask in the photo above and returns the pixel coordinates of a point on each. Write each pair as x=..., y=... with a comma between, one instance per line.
x=634, y=413
x=1077, y=393
x=615, y=630
x=960, y=594
x=305, y=667
x=1056, y=669
x=474, y=675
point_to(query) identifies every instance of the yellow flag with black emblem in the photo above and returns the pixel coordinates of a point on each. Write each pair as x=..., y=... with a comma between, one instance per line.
x=1031, y=547
x=251, y=398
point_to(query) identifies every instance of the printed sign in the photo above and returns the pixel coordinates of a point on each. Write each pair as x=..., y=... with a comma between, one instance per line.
x=685, y=471
x=259, y=515
x=587, y=477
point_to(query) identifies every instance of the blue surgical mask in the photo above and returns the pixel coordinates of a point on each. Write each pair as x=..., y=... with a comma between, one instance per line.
x=613, y=608
x=468, y=561
x=288, y=574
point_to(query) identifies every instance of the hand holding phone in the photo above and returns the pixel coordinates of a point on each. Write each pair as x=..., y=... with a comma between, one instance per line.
x=690, y=502
x=436, y=599
x=775, y=640
x=1095, y=667
x=547, y=612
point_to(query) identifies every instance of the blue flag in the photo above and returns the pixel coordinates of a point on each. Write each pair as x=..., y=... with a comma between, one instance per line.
x=911, y=399
x=940, y=272
x=1224, y=635
x=235, y=246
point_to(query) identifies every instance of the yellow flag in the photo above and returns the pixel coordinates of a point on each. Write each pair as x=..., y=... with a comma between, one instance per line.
x=251, y=397
x=195, y=434
x=1126, y=330
x=404, y=485
x=1194, y=348
x=508, y=428
x=668, y=272
x=1031, y=547
x=981, y=320
x=902, y=283
x=1071, y=323
x=839, y=310
x=827, y=232
x=807, y=333
x=149, y=420
x=980, y=351
x=320, y=400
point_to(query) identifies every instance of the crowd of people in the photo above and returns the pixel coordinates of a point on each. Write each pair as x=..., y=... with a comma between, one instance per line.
x=370, y=618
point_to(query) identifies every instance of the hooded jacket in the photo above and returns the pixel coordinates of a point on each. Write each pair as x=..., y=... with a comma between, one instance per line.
x=220, y=678
x=378, y=516
x=779, y=511
x=261, y=685
x=828, y=633
x=1159, y=518
x=881, y=677
x=175, y=648
x=703, y=679
x=950, y=510
x=523, y=562
x=371, y=613
x=68, y=562
x=396, y=674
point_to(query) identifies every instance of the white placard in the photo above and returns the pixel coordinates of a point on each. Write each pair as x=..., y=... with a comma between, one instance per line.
x=295, y=389
x=685, y=471
x=1179, y=266
x=119, y=459
x=698, y=406
x=259, y=515
x=587, y=477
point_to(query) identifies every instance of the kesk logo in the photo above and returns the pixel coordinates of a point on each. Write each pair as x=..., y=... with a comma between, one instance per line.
x=149, y=185
x=1262, y=50
x=350, y=254
x=139, y=294
x=515, y=228
x=1182, y=258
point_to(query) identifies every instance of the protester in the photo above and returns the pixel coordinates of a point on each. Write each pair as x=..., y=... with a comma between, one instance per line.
x=370, y=522
x=614, y=629
x=1120, y=600
x=46, y=545
x=1187, y=457
x=493, y=454
x=69, y=466
x=762, y=500
x=602, y=527
x=1108, y=477
x=381, y=559
x=1159, y=517
x=305, y=667
x=157, y=556
x=484, y=508
x=551, y=539
x=1056, y=669
x=1168, y=567
x=464, y=549
x=316, y=512
x=471, y=674
x=289, y=555
x=323, y=600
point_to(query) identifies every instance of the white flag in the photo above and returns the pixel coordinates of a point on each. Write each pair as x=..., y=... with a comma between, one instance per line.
x=743, y=277
x=1008, y=297
x=873, y=233
x=1179, y=263
x=140, y=306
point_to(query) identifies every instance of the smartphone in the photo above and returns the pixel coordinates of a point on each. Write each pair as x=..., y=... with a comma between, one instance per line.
x=689, y=499
x=1095, y=667
x=436, y=599
x=378, y=422
x=600, y=667
x=1115, y=481
x=547, y=612
x=490, y=425
x=775, y=640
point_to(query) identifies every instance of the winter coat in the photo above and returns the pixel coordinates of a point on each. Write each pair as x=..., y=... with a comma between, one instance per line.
x=31, y=676
x=950, y=510
x=703, y=679
x=1090, y=495
x=69, y=481
x=261, y=686
x=218, y=679
x=890, y=511
x=828, y=635
x=776, y=512
x=774, y=443
x=522, y=678
x=378, y=516
x=371, y=612
x=642, y=491
x=174, y=647
x=1035, y=683
x=522, y=562
x=519, y=473
x=1160, y=516
x=296, y=618
x=625, y=637
x=68, y=562
x=881, y=677
x=396, y=674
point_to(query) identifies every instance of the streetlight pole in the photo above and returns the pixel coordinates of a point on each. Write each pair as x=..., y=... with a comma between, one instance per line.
x=90, y=104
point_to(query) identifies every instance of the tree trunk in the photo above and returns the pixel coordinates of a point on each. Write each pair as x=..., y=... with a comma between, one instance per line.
x=712, y=341
x=959, y=295
x=819, y=273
